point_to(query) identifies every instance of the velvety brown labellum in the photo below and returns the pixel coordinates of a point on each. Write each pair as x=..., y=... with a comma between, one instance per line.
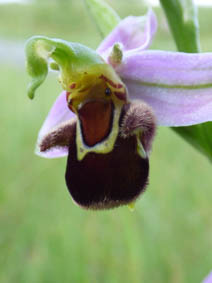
x=102, y=181
x=96, y=119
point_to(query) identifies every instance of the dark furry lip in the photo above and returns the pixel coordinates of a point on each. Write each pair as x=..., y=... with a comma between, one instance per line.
x=103, y=181
x=96, y=118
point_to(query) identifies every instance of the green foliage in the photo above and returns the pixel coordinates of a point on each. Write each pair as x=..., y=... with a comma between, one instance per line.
x=104, y=16
x=199, y=136
x=183, y=22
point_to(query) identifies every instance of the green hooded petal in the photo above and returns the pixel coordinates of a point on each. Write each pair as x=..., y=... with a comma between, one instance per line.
x=70, y=58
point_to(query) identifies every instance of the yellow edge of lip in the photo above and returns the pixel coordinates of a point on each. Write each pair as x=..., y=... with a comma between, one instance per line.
x=131, y=206
x=103, y=147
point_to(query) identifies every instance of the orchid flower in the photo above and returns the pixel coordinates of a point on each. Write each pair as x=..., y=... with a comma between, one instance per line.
x=113, y=98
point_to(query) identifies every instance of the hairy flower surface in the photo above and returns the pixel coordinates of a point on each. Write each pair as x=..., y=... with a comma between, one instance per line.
x=105, y=118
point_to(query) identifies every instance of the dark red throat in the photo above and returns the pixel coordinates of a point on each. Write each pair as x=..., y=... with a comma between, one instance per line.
x=96, y=119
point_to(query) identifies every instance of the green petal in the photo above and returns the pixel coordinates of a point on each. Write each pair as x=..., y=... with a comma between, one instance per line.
x=70, y=58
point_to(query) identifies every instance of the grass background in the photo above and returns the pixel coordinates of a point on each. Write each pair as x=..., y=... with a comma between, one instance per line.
x=44, y=237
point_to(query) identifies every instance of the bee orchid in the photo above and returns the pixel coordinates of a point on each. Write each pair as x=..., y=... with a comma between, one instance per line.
x=113, y=97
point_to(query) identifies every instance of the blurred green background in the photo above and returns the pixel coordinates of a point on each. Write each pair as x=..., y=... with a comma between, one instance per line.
x=44, y=237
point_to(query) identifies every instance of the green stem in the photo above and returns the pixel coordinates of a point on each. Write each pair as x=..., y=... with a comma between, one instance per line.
x=183, y=22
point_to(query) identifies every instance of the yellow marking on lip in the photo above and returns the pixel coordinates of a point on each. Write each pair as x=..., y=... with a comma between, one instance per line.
x=131, y=206
x=103, y=147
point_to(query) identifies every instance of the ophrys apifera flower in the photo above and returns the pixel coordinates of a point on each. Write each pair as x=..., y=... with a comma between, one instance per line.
x=95, y=121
